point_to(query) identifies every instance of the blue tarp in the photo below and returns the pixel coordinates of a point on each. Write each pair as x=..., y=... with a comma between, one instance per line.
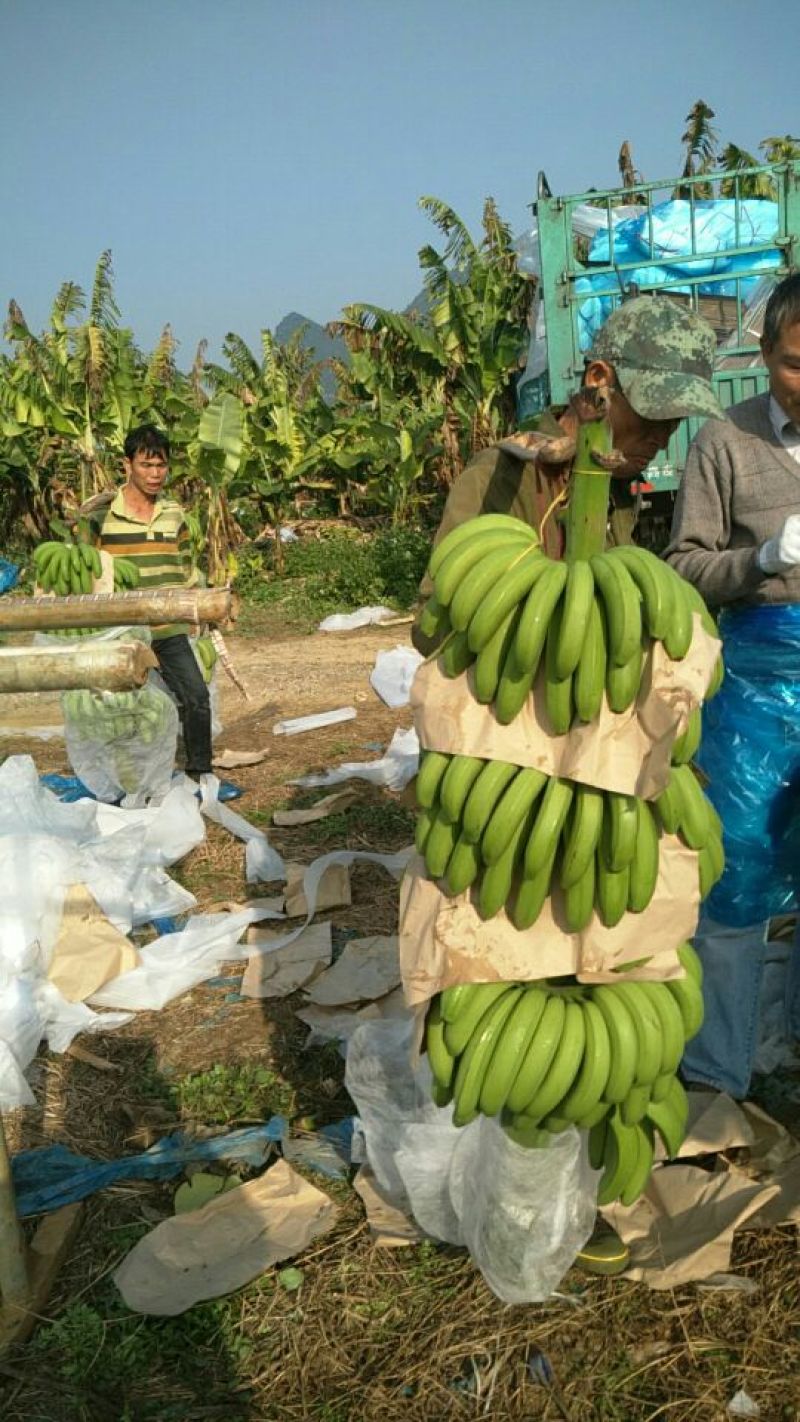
x=750, y=752
x=667, y=234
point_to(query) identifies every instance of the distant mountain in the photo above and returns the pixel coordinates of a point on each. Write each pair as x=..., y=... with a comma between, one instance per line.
x=316, y=339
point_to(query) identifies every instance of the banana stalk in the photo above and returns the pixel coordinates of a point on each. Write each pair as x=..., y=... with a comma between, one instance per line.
x=587, y=512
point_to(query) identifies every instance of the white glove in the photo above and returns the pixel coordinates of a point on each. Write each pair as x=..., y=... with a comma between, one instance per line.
x=780, y=554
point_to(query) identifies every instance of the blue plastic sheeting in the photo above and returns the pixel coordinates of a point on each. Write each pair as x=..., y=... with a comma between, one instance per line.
x=52, y=1176
x=68, y=788
x=670, y=227
x=751, y=753
x=9, y=575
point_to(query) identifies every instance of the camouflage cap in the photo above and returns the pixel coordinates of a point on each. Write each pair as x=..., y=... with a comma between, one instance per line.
x=663, y=355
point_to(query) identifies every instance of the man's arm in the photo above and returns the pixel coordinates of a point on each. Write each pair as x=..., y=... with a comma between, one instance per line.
x=701, y=527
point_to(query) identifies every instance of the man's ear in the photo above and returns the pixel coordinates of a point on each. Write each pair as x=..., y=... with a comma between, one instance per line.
x=766, y=346
x=599, y=372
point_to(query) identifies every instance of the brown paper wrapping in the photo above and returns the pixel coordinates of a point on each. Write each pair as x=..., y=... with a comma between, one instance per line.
x=444, y=941
x=89, y=951
x=629, y=752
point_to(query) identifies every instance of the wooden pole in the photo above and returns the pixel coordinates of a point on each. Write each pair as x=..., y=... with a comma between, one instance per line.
x=14, y=1282
x=146, y=607
x=107, y=666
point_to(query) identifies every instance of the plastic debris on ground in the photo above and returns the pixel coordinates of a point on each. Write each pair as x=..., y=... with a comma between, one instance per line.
x=393, y=674
x=742, y=1405
x=52, y=1176
x=471, y=1186
x=349, y=621
x=262, y=863
x=67, y=788
x=328, y=805
x=295, y=725
x=394, y=770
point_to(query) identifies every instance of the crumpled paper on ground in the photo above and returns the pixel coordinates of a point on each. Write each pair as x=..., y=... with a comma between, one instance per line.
x=328, y=805
x=629, y=752
x=366, y=969
x=332, y=890
x=393, y=674
x=232, y=759
x=444, y=940
x=394, y=770
x=89, y=950
x=281, y=972
x=682, y=1227
x=390, y=1227
x=215, y=1250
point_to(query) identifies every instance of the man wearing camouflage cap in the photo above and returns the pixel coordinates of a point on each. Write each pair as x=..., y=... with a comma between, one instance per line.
x=656, y=357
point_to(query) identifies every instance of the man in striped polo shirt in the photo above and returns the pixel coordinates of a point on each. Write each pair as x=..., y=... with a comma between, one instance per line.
x=143, y=524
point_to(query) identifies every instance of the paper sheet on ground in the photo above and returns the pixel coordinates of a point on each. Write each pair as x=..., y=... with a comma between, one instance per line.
x=231, y=759
x=367, y=968
x=281, y=972
x=389, y=1226
x=394, y=769
x=629, y=752
x=328, y=805
x=89, y=950
x=219, y=1248
x=333, y=890
x=682, y=1227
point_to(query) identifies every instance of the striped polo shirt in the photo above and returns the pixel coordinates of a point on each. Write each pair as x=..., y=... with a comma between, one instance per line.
x=160, y=549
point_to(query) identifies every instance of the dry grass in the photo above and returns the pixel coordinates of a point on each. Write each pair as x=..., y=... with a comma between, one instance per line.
x=371, y=1336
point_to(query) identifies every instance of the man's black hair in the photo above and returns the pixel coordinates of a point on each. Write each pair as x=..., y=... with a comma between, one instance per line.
x=146, y=439
x=783, y=309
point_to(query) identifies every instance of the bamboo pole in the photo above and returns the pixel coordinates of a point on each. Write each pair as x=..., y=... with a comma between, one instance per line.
x=14, y=1281
x=146, y=607
x=109, y=666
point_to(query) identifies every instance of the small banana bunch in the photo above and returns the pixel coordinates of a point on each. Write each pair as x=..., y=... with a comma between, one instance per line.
x=126, y=575
x=548, y=1055
x=499, y=602
x=110, y=716
x=66, y=569
x=206, y=654
x=514, y=833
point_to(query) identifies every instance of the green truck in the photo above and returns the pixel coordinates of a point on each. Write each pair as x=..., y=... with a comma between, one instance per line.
x=727, y=286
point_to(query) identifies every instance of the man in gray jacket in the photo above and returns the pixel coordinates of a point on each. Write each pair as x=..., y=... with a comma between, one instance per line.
x=736, y=536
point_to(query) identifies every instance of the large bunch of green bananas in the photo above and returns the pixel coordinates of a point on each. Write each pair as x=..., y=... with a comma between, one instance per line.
x=126, y=575
x=110, y=716
x=513, y=833
x=548, y=1055
x=499, y=602
x=67, y=569
x=206, y=654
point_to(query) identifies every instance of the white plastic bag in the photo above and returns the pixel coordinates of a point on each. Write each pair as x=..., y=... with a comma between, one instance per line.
x=393, y=673
x=394, y=769
x=523, y=1214
x=122, y=744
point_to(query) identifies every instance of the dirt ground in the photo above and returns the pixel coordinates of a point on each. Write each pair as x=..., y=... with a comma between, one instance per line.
x=370, y=1334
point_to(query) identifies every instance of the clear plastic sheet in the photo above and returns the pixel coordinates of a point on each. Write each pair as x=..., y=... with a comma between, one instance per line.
x=751, y=754
x=522, y=1214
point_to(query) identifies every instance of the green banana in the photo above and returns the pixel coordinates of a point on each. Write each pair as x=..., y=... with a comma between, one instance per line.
x=505, y=595
x=647, y=1025
x=434, y=619
x=678, y=636
x=620, y=1158
x=576, y=606
x=623, y=682
x=458, y=1030
x=464, y=531
x=581, y=834
x=654, y=587
x=564, y=1067
x=579, y=900
x=624, y=1043
x=470, y=554
x=439, y=845
x=622, y=607
x=479, y=582
x=491, y=658
x=514, y=804
x=482, y=798
x=589, y=680
x=695, y=821
x=668, y=808
x=542, y=1048
x=549, y=822
x=441, y=1062
x=636, y=1183
x=557, y=692
x=528, y=900
x=536, y=614
x=686, y=745
x=644, y=865
x=453, y=1000
x=459, y=777
x=455, y=655
x=634, y=1108
x=477, y=1055
x=586, y=1092
x=511, y=1049
x=497, y=878
x=463, y=866
x=689, y=998
x=663, y=1116
x=432, y=767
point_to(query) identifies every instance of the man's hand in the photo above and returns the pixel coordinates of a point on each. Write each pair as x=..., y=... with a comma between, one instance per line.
x=780, y=554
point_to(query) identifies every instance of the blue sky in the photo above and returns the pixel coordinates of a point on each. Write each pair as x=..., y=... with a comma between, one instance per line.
x=246, y=158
